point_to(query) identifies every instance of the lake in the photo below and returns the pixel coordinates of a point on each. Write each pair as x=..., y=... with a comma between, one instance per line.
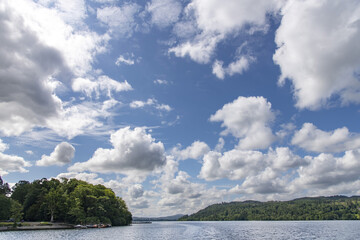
x=205, y=230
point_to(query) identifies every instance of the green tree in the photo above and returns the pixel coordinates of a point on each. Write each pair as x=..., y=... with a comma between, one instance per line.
x=53, y=201
x=72, y=201
x=16, y=211
x=5, y=205
x=20, y=191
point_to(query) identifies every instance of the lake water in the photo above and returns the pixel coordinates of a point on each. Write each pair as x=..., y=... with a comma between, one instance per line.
x=205, y=230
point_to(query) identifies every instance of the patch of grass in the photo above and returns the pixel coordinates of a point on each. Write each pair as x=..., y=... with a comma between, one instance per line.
x=45, y=223
x=6, y=224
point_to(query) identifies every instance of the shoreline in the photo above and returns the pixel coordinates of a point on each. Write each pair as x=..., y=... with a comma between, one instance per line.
x=38, y=226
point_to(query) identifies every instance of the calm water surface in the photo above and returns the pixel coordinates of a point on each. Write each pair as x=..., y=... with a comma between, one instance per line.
x=205, y=230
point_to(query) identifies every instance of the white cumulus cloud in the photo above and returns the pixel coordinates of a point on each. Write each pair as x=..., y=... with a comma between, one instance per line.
x=195, y=151
x=11, y=163
x=133, y=151
x=236, y=67
x=214, y=21
x=248, y=119
x=241, y=164
x=39, y=50
x=318, y=51
x=326, y=170
x=310, y=138
x=63, y=154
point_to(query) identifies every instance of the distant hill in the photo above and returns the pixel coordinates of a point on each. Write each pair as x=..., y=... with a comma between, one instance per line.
x=309, y=208
x=167, y=218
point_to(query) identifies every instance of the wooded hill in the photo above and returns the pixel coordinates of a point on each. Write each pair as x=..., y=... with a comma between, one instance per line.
x=71, y=201
x=317, y=208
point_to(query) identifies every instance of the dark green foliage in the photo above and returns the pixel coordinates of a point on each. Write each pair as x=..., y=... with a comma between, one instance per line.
x=71, y=201
x=5, y=206
x=16, y=211
x=319, y=208
x=22, y=189
x=5, y=202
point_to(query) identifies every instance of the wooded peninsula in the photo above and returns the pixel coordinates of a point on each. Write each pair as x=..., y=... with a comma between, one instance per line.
x=66, y=200
x=317, y=208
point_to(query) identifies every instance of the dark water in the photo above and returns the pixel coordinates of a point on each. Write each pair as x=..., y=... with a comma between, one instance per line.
x=205, y=230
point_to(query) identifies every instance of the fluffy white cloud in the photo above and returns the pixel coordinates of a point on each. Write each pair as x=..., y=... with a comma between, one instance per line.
x=231, y=15
x=324, y=174
x=62, y=154
x=133, y=151
x=237, y=67
x=240, y=164
x=211, y=168
x=77, y=45
x=26, y=92
x=215, y=20
x=310, y=138
x=266, y=182
x=39, y=49
x=150, y=102
x=325, y=63
x=11, y=163
x=326, y=170
x=248, y=119
x=195, y=151
x=283, y=159
x=200, y=49
x=164, y=12
x=103, y=84
x=120, y=20
x=218, y=70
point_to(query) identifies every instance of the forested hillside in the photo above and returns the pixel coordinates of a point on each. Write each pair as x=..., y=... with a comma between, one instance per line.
x=71, y=201
x=319, y=208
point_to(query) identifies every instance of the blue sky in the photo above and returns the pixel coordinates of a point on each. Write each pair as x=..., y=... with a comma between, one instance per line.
x=176, y=105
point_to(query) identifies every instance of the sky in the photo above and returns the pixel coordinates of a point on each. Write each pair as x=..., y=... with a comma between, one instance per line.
x=179, y=104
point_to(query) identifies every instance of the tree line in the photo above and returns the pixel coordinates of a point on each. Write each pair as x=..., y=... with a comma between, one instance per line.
x=66, y=200
x=318, y=208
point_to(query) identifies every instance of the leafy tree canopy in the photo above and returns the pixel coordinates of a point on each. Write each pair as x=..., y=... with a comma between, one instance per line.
x=65, y=200
x=319, y=208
